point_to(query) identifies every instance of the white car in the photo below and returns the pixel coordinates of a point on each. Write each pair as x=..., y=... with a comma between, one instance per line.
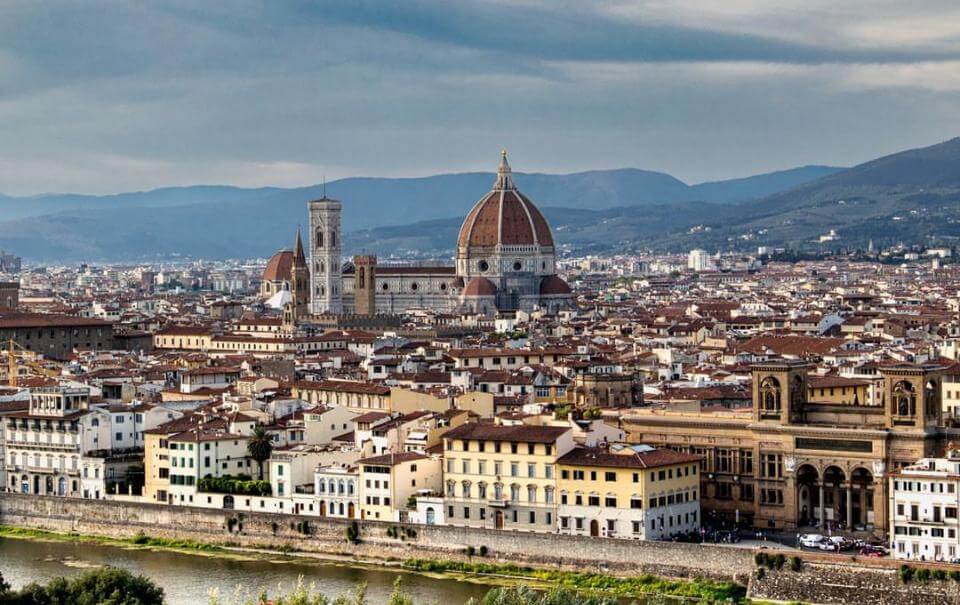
x=812, y=540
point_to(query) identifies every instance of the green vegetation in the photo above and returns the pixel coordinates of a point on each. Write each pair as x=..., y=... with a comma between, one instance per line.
x=107, y=586
x=139, y=539
x=353, y=533
x=909, y=574
x=646, y=584
x=260, y=447
x=776, y=561
x=242, y=485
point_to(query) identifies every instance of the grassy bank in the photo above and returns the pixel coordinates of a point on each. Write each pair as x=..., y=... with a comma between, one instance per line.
x=139, y=539
x=634, y=586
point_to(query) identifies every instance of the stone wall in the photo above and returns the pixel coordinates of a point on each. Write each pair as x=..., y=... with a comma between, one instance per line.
x=828, y=584
x=119, y=519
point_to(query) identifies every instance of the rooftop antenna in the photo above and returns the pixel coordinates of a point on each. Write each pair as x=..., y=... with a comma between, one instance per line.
x=324, y=178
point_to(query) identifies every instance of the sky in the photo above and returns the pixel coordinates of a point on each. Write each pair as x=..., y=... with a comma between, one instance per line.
x=111, y=96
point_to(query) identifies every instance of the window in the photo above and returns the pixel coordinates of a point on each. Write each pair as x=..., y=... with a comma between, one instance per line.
x=610, y=476
x=636, y=503
x=610, y=502
x=593, y=500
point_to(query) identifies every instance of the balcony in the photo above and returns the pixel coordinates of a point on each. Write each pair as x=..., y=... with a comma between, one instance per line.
x=498, y=503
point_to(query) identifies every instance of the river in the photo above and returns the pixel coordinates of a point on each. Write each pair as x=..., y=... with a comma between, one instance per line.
x=187, y=579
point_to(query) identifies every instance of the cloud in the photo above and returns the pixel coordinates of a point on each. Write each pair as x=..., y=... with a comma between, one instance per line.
x=113, y=95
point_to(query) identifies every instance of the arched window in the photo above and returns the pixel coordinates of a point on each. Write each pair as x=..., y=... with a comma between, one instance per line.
x=333, y=239
x=770, y=395
x=466, y=489
x=363, y=277
x=904, y=399
x=319, y=238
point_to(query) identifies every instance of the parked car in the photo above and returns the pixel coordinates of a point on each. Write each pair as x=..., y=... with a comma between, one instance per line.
x=828, y=545
x=842, y=542
x=812, y=540
x=873, y=551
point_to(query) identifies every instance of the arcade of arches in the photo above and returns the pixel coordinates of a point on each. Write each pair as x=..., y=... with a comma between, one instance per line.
x=790, y=461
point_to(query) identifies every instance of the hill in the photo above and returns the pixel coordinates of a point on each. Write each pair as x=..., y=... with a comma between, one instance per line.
x=220, y=221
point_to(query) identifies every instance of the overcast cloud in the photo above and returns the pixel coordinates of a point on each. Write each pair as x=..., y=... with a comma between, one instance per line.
x=100, y=97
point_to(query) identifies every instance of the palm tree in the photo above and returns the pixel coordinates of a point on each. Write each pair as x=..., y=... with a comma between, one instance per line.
x=260, y=446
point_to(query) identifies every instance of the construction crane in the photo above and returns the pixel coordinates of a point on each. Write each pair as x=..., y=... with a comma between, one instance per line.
x=23, y=355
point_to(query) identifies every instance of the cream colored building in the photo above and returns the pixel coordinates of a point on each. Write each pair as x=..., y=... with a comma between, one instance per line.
x=387, y=482
x=503, y=476
x=623, y=491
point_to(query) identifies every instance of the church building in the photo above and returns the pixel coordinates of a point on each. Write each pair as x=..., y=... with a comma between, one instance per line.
x=505, y=260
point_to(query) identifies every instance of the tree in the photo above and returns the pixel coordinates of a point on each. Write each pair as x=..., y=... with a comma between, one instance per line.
x=399, y=596
x=107, y=586
x=260, y=446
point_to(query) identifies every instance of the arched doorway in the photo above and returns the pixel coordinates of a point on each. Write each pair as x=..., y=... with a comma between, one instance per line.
x=228, y=502
x=350, y=510
x=323, y=508
x=808, y=495
x=861, y=501
x=835, y=495
x=49, y=486
x=594, y=528
x=431, y=516
x=62, y=486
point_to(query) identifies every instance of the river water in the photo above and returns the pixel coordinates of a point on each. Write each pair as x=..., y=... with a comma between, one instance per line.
x=187, y=579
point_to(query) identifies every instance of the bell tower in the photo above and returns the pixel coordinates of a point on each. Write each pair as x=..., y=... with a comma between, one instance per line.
x=912, y=395
x=365, y=284
x=779, y=391
x=325, y=294
x=300, y=281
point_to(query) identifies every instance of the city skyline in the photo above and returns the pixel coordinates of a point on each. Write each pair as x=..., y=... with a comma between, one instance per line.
x=125, y=96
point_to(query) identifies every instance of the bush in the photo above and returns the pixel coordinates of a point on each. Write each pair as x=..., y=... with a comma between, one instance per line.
x=939, y=575
x=796, y=564
x=761, y=572
x=140, y=538
x=106, y=585
x=353, y=533
x=906, y=574
x=760, y=559
x=954, y=575
x=923, y=575
x=470, y=550
x=234, y=484
x=779, y=560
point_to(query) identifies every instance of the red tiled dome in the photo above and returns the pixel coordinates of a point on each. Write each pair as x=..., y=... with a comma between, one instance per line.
x=552, y=284
x=504, y=216
x=480, y=286
x=279, y=267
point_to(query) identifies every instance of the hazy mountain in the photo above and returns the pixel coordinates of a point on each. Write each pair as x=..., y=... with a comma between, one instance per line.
x=911, y=197
x=219, y=221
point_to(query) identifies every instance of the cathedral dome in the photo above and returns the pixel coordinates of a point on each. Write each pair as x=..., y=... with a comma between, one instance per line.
x=480, y=286
x=279, y=267
x=504, y=217
x=553, y=285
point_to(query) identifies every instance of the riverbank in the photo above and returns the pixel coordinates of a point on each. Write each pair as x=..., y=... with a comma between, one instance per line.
x=492, y=574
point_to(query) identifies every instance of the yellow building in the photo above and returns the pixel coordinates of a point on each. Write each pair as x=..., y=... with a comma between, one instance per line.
x=503, y=476
x=156, y=466
x=388, y=481
x=623, y=491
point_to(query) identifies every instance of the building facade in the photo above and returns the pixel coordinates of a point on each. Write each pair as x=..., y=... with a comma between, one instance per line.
x=503, y=476
x=628, y=492
x=924, y=500
x=791, y=461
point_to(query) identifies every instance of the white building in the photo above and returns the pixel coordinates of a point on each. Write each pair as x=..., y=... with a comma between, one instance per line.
x=699, y=260
x=924, y=501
